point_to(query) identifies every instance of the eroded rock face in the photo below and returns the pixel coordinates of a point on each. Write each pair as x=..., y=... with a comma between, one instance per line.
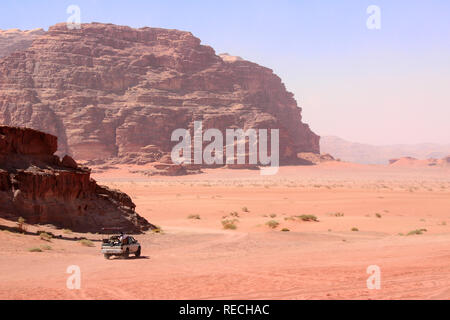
x=37, y=186
x=26, y=142
x=15, y=40
x=110, y=91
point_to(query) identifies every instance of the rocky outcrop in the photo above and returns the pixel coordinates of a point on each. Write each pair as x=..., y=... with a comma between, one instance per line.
x=37, y=186
x=110, y=91
x=308, y=158
x=160, y=169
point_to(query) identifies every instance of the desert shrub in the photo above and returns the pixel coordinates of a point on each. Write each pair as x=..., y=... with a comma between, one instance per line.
x=272, y=224
x=337, y=214
x=86, y=243
x=194, y=216
x=417, y=231
x=285, y=230
x=234, y=214
x=35, y=250
x=307, y=217
x=45, y=236
x=355, y=229
x=245, y=209
x=47, y=232
x=21, y=224
x=377, y=215
x=157, y=229
x=229, y=224
x=273, y=215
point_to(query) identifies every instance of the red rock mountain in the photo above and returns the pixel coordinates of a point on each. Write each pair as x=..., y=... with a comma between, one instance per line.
x=36, y=185
x=110, y=91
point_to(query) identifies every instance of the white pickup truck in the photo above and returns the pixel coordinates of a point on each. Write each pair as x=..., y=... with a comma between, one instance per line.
x=121, y=246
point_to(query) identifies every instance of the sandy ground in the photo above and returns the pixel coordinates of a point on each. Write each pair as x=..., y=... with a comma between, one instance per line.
x=198, y=259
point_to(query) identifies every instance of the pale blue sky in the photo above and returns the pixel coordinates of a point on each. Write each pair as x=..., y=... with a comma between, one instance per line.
x=375, y=86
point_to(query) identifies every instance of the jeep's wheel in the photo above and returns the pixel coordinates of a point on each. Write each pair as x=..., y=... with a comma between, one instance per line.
x=126, y=254
x=106, y=256
x=138, y=252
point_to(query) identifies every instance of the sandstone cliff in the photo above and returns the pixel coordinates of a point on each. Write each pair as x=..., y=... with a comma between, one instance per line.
x=110, y=91
x=37, y=185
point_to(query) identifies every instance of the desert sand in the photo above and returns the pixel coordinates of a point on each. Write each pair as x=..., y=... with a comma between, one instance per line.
x=198, y=259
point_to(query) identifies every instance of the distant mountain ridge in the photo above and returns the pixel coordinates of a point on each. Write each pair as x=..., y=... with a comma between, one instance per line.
x=15, y=40
x=373, y=154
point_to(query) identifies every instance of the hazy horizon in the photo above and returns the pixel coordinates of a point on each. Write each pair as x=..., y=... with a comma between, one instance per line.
x=385, y=144
x=387, y=86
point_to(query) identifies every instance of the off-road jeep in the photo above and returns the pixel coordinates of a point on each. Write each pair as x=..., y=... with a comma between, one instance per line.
x=115, y=247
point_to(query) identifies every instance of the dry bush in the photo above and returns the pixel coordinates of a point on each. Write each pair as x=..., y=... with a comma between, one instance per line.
x=45, y=236
x=87, y=243
x=234, y=214
x=158, y=229
x=337, y=214
x=272, y=224
x=230, y=224
x=417, y=231
x=307, y=217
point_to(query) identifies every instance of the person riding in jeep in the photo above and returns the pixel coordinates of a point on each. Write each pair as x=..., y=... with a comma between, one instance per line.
x=122, y=238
